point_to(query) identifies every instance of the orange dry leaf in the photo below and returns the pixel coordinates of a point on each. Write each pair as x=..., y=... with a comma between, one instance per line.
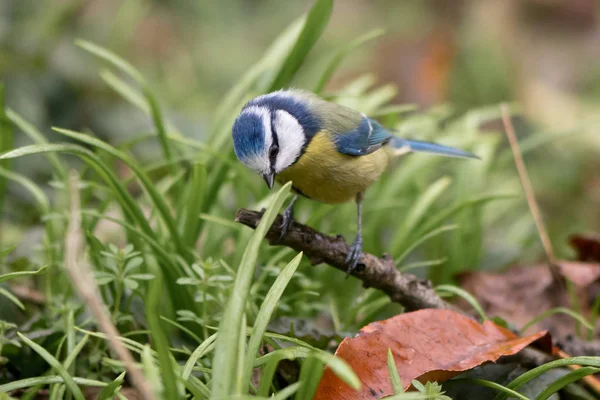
x=428, y=345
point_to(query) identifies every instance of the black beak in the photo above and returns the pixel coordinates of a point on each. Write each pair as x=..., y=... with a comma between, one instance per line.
x=269, y=178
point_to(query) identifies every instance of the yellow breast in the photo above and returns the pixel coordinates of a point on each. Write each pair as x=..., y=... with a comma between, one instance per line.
x=324, y=174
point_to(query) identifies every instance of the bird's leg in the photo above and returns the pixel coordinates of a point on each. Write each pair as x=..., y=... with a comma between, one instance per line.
x=355, y=249
x=288, y=217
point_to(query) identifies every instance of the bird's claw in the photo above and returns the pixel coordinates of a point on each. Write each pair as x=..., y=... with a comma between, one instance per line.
x=354, y=253
x=286, y=222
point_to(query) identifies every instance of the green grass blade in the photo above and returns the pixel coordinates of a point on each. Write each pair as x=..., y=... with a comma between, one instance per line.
x=418, y=211
x=197, y=354
x=125, y=90
x=182, y=328
x=12, y=298
x=20, y=274
x=343, y=53
x=75, y=352
x=423, y=239
x=315, y=24
x=38, y=138
x=440, y=217
x=7, y=251
x=159, y=338
x=310, y=376
x=226, y=345
x=339, y=367
x=264, y=315
x=559, y=310
x=109, y=390
x=126, y=67
x=468, y=297
x=193, y=205
x=534, y=373
x=54, y=363
x=393, y=371
x=287, y=392
x=565, y=380
x=159, y=123
x=113, y=59
x=150, y=188
x=130, y=206
x=491, y=385
x=47, y=380
x=6, y=144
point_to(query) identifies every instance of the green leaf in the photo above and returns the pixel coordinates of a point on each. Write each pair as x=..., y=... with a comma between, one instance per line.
x=151, y=371
x=315, y=24
x=343, y=53
x=264, y=315
x=12, y=298
x=20, y=274
x=287, y=392
x=146, y=182
x=534, y=373
x=109, y=390
x=38, y=138
x=393, y=372
x=125, y=90
x=113, y=59
x=418, y=211
x=227, y=342
x=203, y=348
x=7, y=251
x=159, y=339
x=47, y=380
x=54, y=363
x=423, y=239
x=446, y=213
x=559, y=310
x=6, y=143
x=130, y=70
x=492, y=385
x=466, y=296
x=565, y=380
x=193, y=205
x=310, y=376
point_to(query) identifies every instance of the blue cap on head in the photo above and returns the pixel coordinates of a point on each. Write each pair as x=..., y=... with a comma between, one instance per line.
x=248, y=136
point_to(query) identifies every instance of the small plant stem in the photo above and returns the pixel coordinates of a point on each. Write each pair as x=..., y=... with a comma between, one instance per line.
x=525, y=181
x=204, y=315
x=118, y=295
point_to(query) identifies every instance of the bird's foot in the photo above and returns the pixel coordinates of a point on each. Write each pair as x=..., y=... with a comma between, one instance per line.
x=288, y=218
x=354, y=253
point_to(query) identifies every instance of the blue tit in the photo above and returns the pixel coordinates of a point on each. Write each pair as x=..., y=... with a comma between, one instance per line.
x=330, y=152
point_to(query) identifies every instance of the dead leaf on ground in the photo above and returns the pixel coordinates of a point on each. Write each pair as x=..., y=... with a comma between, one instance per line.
x=428, y=345
x=521, y=294
x=587, y=246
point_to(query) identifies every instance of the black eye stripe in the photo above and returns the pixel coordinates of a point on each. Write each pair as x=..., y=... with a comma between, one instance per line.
x=274, y=150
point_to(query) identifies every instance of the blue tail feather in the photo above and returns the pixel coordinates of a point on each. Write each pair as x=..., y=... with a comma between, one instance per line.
x=432, y=148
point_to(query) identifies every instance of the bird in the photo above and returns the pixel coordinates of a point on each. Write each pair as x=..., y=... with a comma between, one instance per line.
x=330, y=152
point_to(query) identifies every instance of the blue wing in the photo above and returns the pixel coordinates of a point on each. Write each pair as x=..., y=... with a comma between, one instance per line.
x=368, y=136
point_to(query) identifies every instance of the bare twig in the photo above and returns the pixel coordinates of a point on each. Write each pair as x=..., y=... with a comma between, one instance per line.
x=379, y=273
x=83, y=282
x=529, y=194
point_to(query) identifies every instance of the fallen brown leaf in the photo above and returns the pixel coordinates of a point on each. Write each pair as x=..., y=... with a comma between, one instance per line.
x=587, y=246
x=521, y=294
x=428, y=345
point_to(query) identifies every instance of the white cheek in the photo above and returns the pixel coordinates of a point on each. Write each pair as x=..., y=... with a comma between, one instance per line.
x=291, y=139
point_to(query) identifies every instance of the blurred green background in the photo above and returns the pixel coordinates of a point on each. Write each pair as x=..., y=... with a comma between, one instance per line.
x=542, y=55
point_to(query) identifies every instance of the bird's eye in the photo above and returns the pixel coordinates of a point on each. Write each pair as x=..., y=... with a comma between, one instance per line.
x=273, y=151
